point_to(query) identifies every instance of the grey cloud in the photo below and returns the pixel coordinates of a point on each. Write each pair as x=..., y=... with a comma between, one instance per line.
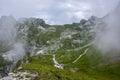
x=57, y=12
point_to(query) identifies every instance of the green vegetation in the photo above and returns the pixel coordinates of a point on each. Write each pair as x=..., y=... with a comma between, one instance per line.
x=67, y=43
x=3, y=65
x=86, y=68
x=89, y=67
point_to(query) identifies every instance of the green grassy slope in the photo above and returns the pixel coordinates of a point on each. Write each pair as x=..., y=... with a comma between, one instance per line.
x=88, y=67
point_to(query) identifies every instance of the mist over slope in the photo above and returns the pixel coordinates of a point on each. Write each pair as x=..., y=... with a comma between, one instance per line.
x=11, y=48
x=107, y=33
x=7, y=31
x=8, y=36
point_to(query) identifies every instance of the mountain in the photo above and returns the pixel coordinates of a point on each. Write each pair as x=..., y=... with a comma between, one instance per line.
x=77, y=51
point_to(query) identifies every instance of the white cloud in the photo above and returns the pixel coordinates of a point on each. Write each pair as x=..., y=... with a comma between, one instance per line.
x=59, y=12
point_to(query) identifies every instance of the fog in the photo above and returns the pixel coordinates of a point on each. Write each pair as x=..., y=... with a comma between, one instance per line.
x=108, y=33
x=11, y=48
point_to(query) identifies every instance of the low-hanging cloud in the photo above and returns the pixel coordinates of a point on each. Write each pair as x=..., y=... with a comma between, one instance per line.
x=11, y=48
x=107, y=34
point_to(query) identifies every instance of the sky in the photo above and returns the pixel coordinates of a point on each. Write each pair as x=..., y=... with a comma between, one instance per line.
x=57, y=11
